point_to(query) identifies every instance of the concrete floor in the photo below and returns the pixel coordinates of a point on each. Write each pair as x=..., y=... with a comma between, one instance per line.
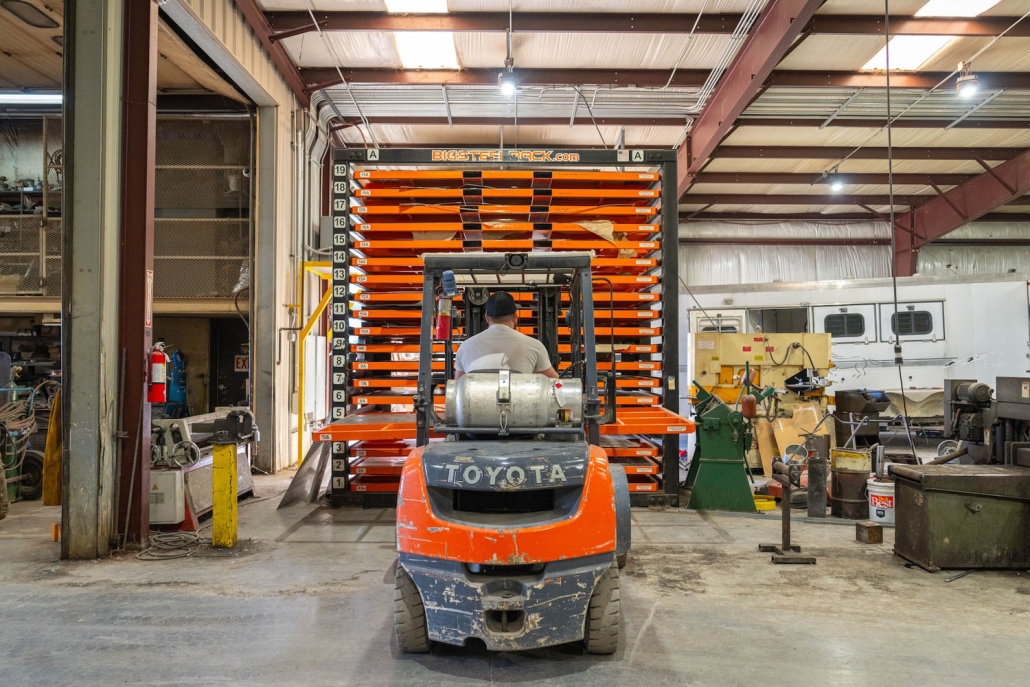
x=307, y=600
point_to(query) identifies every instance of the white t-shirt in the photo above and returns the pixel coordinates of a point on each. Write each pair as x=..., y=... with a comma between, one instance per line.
x=500, y=347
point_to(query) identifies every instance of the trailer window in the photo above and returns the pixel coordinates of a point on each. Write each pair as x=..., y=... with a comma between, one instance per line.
x=844, y=325
x=912, y=323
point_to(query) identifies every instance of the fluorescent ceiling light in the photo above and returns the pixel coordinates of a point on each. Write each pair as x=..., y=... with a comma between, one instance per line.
x=417, y=6
x=426, y=49
x=955, y=8
x=30, y=98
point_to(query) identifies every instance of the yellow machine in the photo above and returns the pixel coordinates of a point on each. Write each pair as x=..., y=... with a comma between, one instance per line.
x=795, y=363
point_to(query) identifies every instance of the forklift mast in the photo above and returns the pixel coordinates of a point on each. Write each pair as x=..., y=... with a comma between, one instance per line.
x=544, y=274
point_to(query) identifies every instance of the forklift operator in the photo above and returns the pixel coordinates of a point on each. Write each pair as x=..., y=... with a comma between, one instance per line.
x=501, y=346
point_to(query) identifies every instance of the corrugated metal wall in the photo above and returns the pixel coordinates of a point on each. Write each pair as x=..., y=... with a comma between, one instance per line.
x=226, y=24
x=708, y=260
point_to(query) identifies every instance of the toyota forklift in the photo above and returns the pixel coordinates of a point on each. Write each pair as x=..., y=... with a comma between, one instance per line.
x=511, y=522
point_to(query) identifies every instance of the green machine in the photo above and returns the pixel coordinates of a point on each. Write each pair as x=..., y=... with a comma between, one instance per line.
x=719, y=478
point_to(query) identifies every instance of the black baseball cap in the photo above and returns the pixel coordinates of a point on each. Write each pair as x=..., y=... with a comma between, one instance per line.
x=500, y=304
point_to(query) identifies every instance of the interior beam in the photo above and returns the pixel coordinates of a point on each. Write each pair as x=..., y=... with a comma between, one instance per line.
x=839, y=217
x=804, y=199
x=818, y=178
x=424, y=120
x=864, y=153
x=291, y=23
x=795, y=78
x=961, y=205
x=316, y=78
x=772, y=36
x=286, y=24
x=944, y=123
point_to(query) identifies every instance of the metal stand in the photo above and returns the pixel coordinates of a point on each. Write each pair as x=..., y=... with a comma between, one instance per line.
x=785, y=552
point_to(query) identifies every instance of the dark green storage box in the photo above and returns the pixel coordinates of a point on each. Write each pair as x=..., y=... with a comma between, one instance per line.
x=962, y=516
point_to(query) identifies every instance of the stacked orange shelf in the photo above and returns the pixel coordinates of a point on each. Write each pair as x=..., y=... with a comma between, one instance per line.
x=386, y=217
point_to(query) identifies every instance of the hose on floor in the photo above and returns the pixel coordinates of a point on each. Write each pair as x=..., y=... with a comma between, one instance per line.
x=169, y=545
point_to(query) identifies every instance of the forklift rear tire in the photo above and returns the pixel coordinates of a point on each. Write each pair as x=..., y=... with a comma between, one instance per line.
x=604, y=615
x=621, y=559
x=409, y=615
x=31, y=485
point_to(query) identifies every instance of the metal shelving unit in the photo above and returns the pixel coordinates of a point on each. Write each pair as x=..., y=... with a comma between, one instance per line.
x=30, y=241
x=391, y=205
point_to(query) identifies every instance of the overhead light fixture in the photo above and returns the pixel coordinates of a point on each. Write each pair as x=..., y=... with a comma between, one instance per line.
x=507, y=81
x=30, y=98
x=967, y=85
x=29, y=13
x=836, y=182
x=416, y=6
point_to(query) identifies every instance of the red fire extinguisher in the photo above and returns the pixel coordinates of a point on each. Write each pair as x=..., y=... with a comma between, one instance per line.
x=157, y=387
x=443, y=316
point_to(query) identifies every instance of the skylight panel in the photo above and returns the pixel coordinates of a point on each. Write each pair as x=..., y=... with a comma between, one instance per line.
x=955, y=8
x=909, y=53
x=416, y=6
x=426, y=49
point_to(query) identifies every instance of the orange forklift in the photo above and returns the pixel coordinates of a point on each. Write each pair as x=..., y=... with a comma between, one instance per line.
x=511, y=524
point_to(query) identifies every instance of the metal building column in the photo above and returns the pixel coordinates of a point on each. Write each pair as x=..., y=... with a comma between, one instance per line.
x=136, y=277
x=670, y=324
x=263, y=282
x=92, y=161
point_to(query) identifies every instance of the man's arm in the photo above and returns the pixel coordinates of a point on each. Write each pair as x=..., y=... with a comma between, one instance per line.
x=544, y=362
x=459, y=368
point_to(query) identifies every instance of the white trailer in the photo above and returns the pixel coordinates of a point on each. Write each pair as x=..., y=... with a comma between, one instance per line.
x=948, y=328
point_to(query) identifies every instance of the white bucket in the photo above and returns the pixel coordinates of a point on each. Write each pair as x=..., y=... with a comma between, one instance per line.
x=881, y=502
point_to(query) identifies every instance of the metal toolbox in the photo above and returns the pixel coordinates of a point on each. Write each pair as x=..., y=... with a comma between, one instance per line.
x=962, y=516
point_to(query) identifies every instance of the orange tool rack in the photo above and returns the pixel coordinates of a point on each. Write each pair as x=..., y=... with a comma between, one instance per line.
x=392, y=205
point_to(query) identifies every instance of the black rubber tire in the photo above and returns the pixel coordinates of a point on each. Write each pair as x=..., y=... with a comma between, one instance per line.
x=621, y=559
x=31, y=486
x=4, y=501
x=601, y=635
x=409, y=615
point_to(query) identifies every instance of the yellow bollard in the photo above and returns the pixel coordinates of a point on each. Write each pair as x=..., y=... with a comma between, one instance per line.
x=224, y=507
